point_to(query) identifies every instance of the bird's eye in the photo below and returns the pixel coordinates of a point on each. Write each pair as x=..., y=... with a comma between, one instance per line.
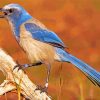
x=11, y=10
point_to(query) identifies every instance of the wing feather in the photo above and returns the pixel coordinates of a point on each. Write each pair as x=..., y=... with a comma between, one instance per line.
x=44, y=35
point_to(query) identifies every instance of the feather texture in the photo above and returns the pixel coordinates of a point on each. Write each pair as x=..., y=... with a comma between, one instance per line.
x=44, y=35
x=91, y=73
x=37, y=51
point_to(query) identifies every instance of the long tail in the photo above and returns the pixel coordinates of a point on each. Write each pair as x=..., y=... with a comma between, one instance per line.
x=89, y=72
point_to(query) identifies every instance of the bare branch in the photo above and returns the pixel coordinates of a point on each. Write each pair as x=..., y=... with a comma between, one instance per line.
x=17, y=79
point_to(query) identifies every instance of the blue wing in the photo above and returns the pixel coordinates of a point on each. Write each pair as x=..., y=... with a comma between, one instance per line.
x=44, y=35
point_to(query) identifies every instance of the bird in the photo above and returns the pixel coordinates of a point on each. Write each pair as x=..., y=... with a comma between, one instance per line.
x=41, y=45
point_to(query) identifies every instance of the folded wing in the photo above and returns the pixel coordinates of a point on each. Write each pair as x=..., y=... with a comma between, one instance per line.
x=44, y=35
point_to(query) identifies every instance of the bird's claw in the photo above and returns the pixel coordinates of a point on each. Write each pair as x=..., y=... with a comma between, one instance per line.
x=19, y=66
x=42, y=89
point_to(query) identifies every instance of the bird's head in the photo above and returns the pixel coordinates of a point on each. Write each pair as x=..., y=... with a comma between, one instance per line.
x=14, y=13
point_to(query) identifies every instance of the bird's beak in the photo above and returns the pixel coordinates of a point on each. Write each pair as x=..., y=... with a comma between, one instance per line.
x=2, y=15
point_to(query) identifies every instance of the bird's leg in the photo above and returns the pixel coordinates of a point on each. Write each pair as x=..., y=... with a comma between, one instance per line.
x=44, y=89
x=23, y=66
x=48, y=75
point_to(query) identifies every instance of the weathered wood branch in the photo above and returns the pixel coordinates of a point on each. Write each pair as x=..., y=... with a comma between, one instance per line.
x=17, y=80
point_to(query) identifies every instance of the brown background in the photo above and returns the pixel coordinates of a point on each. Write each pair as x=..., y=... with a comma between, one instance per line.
x=77, y=22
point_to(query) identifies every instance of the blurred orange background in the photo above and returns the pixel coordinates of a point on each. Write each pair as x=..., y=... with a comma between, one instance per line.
x=77, y=23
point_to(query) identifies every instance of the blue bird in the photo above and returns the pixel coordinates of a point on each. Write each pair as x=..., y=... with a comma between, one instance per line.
x=42, y=45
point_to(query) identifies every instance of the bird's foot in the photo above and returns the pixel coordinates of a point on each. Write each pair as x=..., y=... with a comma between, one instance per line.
x=19, y=66
x=42, y=89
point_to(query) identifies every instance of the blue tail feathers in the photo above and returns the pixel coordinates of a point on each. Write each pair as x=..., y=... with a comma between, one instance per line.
x=89, y=72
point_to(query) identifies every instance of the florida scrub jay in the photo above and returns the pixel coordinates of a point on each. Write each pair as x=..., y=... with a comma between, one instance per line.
x=41, y=44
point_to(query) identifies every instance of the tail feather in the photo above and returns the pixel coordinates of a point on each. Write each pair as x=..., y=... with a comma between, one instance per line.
x=88, y=71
